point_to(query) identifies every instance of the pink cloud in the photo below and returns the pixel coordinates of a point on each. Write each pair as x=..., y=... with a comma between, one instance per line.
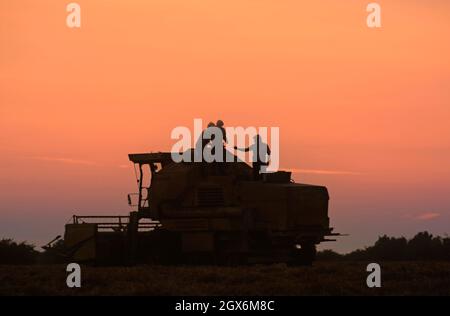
x=325, y=172
x=65, y=160
x=427, y=216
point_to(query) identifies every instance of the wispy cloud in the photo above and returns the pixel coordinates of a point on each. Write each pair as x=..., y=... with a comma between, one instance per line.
x=65, y=160
x=427, y=216
x=324, y=172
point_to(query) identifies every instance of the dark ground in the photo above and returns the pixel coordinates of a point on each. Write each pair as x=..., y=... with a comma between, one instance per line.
x=324, y=278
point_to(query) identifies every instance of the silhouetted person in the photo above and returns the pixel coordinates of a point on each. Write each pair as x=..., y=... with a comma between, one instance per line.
x=203, y=141
x=223, y=141
x=220, y=125
x=219, y=165
x=261, y=153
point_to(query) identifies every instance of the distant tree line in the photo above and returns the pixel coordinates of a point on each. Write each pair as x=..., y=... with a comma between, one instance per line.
x=423, y=246
x=12, y=252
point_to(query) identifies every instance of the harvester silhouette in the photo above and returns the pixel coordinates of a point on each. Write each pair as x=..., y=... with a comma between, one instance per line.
x=188, y=212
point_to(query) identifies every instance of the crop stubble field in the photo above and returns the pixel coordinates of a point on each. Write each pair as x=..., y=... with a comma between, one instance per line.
x=324, y=278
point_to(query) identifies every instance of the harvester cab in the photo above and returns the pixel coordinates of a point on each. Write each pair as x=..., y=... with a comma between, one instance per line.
x=145, y=168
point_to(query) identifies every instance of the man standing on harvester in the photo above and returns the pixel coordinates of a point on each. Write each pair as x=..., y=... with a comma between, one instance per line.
x=261, y=154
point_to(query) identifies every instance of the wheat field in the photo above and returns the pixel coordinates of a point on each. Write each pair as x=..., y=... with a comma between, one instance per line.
x=324, y=278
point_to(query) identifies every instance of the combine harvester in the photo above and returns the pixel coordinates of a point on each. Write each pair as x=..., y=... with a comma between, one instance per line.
x=203, y=213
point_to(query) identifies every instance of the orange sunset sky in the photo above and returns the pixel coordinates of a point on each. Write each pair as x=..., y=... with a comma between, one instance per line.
x=365, y=112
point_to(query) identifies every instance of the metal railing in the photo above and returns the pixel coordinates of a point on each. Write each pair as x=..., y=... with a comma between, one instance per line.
x=114, y=223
